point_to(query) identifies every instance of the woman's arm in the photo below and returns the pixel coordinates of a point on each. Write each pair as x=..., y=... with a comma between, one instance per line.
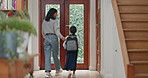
x=57, y=30
x=43, y=34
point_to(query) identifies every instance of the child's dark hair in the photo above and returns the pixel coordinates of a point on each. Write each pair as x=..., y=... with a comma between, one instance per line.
x=50, y=14
x=73, y=30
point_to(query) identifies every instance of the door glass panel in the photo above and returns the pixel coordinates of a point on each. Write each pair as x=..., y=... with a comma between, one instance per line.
x=77, y=19
x=47, y=8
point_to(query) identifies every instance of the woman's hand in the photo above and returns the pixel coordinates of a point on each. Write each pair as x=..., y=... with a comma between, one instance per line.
x=63, y=38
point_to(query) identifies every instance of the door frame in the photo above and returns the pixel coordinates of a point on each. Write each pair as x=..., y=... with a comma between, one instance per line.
x=98, y=35
x=63, y=29
x=86, y=33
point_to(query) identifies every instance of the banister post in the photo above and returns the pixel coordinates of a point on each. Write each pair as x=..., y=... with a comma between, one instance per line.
x=130, y=71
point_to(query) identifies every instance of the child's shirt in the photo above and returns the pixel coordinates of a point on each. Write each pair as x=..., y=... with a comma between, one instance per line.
x=64, y=44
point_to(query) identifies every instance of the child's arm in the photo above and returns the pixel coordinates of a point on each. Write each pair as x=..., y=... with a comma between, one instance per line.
x=64, y=43
x=78, y=42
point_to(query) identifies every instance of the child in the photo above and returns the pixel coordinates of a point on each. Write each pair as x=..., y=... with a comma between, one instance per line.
x=71, y=46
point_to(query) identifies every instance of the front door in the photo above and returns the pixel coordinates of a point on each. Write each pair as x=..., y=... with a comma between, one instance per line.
x=70, y=12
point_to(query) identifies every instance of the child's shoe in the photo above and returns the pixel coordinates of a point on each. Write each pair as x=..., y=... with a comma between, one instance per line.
x=69, y=74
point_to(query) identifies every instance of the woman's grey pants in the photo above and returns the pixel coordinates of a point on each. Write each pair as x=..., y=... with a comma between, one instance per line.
x=51, y=45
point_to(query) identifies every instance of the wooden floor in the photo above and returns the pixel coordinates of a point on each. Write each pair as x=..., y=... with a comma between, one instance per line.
x=64, y=74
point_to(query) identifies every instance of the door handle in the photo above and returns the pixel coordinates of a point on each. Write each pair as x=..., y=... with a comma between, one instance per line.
x=67, y=25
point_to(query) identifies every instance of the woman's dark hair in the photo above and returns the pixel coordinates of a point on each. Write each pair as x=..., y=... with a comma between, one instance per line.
x=50, y=14
x=73, y=30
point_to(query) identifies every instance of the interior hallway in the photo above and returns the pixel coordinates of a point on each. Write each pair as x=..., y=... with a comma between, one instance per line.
x=64, y=74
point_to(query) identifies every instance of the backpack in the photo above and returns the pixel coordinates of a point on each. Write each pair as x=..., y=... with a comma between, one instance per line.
x=71, y=43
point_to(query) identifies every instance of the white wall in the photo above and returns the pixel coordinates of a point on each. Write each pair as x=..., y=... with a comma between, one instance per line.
x=111, y=56
x=92, y=35
x=33, y=43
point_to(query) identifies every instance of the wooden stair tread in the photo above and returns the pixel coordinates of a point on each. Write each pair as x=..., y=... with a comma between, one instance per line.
x=123, y=4
x=132, y=2
x=134, y=20
x=134, y=12
x=139, y=62
x=141, y=75
x=137, y=50
x=136, y=39
x=136, y=30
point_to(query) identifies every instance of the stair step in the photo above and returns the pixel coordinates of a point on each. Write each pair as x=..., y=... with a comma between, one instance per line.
x=141, y=76
x=135, y=25
x=136, y=30
x=139, y=62
x=136, y=34
x=136, y=39
x=132, y=2
x=138, y=55
x=133, y=12
x=137, y=44
x=141, y=68
x=134, y=17
x=140, y=16
x=133, y=9
x=123, y=20
x=137, y=50
x=122, y=4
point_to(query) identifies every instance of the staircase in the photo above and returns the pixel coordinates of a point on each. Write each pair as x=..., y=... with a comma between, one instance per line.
x=133, y=15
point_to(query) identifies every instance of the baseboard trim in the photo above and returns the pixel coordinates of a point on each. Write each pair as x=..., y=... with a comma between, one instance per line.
x=108, y=76
x=91, y=68
x=36, y=68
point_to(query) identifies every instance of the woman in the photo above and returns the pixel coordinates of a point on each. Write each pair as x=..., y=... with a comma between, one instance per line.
x=50, y=31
